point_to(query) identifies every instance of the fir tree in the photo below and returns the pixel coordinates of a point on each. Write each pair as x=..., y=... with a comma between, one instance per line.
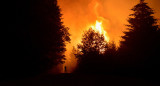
x=37, y=43
x=139, y=45
x=48, y=33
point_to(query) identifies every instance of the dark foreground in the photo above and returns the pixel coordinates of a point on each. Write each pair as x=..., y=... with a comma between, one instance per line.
x=81, y=80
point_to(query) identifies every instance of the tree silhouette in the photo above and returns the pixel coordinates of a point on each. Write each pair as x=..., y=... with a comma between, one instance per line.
x=37, y=43
x=111, y=49
x=140, y=44
x=111, y=53
x=48, y=30
x=90, y=51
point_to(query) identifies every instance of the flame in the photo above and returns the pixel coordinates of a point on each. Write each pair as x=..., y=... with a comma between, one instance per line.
x=99, y=28
x=80, y=15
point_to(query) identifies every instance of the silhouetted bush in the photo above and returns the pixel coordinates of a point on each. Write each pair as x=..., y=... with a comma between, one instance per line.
x=94, y=54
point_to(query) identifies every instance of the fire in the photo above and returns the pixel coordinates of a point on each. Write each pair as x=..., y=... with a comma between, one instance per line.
x=99, y=28
x=105, y=16
x=79, y=17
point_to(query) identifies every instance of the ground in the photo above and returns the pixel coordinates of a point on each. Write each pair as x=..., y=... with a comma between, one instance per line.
x=81, y=80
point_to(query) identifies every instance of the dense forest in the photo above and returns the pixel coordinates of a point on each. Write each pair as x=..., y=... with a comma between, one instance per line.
x=37, y=43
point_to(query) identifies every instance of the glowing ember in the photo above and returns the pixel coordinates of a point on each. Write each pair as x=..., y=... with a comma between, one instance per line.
x=99, y=28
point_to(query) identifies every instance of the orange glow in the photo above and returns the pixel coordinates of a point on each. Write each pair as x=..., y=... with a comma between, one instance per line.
x=83, y=14
x=106, y=16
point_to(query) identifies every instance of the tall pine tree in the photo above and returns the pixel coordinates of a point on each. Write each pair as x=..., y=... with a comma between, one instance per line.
x=140, y=44
x=37, y=43
x=48, y=34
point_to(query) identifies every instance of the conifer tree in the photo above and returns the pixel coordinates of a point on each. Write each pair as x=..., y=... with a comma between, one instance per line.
x=37, y=43
x=48, y=32
x=140, y=43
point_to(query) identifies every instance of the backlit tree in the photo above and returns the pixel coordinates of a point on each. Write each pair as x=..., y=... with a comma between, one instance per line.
x=140, y=44
x=90, y=51
x=37, y=43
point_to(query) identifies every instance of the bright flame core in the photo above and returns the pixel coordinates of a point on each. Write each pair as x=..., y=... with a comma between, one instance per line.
x=99, y=28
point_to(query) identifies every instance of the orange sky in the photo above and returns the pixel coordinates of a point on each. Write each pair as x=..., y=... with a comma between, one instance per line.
x=78, y=15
